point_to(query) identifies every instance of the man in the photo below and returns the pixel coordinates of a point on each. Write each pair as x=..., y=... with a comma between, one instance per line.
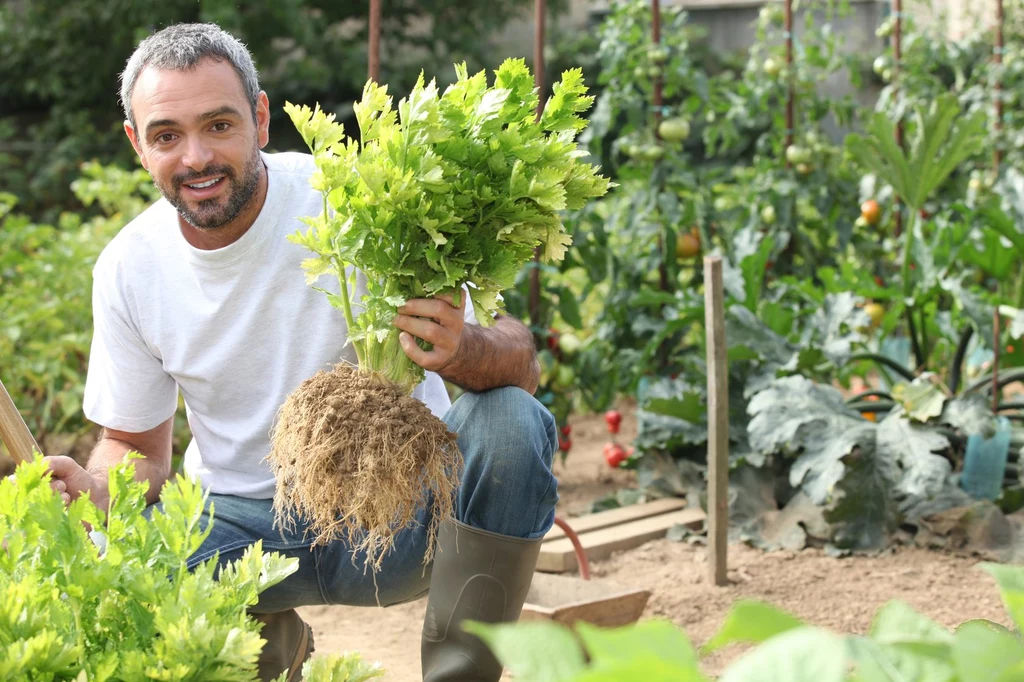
x=203, y=294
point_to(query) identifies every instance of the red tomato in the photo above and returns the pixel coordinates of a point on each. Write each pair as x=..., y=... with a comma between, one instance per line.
x=613, y=418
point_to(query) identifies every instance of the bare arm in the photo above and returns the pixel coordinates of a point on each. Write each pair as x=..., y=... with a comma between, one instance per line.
x=491, y=357
x=154, y=445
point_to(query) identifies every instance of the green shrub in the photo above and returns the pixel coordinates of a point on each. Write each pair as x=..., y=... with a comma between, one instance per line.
x=117, y=603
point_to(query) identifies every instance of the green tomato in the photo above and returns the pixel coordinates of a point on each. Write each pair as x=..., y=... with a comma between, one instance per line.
x=630, y=150
x=880, y=64
x=796, y=154
x=569, y=344
x=772, y=67
x=768, y=216
x=674, y=129
x=658, y=54
x=565, y=377
x=652, y=152
x=887, y=75
x=639, y=73
x=723, y=204
x=653, y=71
x=885, y=30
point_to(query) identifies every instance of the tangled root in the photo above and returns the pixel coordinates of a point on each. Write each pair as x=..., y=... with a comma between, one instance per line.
x=357, y=459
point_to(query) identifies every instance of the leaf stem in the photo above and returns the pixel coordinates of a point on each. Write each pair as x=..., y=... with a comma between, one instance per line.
x=956, y=370
x=885, y=361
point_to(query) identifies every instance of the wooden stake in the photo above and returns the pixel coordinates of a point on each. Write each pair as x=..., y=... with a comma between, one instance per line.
x=374, y=58
x=897, y=53
x=533, y=295
x=791, y=96
x=14, y=431
x=997, y=154
x=718, y=421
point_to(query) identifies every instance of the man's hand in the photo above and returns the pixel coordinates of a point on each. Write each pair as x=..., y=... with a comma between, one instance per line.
x=437, y=321
x=71, y=480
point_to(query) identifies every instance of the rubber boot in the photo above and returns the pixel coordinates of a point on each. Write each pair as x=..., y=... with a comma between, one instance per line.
x=289, y=645
x=477, y=575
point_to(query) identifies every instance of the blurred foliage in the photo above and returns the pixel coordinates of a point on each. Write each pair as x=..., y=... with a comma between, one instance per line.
x=63, y=107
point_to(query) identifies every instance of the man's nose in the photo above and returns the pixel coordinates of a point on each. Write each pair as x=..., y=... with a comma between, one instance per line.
x=197, y=154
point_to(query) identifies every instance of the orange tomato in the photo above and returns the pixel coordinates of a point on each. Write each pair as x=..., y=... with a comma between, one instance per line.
x=870, y=211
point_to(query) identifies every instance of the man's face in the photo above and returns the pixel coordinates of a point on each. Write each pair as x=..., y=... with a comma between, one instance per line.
x=196, y=137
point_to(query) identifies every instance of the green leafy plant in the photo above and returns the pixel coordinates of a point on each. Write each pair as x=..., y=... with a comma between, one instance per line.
x=45, y=285
x=88, y=595
x=448, y=190
x=901, y=645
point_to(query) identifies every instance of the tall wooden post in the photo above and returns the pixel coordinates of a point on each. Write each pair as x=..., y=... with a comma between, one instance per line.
x=791, y=96
x=718, y=421
x=374, y=48
x=997, y=154
x=533, y=296
x=897, y=67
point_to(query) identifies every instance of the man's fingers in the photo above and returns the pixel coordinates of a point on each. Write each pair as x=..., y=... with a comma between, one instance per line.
x=424, y=329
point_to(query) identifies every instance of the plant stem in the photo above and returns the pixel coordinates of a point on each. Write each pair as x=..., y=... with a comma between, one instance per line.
x=912, y=331
x=869, y=394
x=956, y=371
x=347, y=308
x=884, y=361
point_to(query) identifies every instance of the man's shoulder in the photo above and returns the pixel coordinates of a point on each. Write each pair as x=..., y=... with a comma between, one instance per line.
x=296, y=164
x=141, y=235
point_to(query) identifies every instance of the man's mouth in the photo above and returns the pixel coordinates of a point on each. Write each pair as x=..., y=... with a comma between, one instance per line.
x=204, y=184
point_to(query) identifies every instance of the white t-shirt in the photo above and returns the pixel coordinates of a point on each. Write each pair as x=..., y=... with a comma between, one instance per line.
x=234, y=329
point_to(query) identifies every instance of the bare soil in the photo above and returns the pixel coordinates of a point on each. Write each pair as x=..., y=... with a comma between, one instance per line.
x=841, y=594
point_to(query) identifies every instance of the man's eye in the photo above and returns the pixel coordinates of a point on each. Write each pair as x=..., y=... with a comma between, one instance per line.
x=165, y=137
x=221, y=126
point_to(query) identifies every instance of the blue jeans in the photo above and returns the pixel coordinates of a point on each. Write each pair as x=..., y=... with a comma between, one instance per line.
x=507, y=439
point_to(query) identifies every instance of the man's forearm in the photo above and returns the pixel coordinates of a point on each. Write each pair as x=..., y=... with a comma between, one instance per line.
x=492, y=357
x=110, y=452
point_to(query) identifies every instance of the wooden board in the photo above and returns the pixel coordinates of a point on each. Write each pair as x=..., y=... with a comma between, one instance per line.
x=614, y=517
x=568, y=599
x=559, y=556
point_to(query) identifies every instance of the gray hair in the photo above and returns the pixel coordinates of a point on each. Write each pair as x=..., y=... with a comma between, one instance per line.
x=181, y=47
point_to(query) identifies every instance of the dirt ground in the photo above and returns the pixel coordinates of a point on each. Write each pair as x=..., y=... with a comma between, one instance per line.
x=841, y=594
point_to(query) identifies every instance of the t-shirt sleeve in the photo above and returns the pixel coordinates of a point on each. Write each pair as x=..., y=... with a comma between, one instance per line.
x=126, y=387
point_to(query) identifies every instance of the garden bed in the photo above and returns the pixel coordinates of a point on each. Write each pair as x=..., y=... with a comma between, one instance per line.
x=841, y=594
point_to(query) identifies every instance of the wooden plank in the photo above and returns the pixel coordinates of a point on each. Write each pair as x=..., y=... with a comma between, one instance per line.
x=13, y=429
x=613, y=517
x=718, y=422
x=559, y=556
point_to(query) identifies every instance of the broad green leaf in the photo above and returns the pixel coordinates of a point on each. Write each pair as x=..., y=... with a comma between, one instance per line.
x=914, y=448
x=658, y=638
x=536, y=651
x=922, y=399
x=642, y=666
x=796, y=417
x=751, y=621
x=983, y=651
x=690, y=407
x=803, y=654
x=898, y=623
x=569, y=308
x=1011, y=588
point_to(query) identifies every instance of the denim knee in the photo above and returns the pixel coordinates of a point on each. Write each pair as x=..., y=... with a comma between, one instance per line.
x=508, y=440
